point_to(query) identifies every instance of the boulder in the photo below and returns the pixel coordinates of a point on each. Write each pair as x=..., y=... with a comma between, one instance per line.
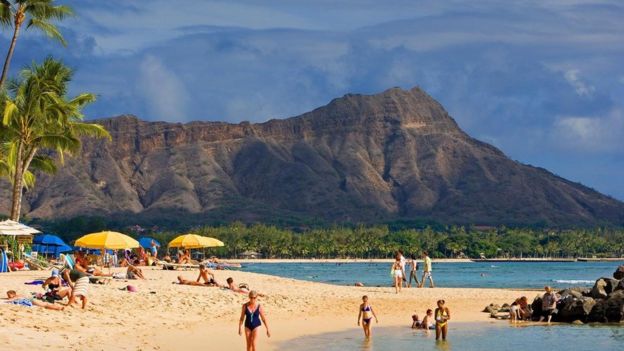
x=603, y=287
x=536, y=307
x=619, y=272
x=564, y=294
x=620, y=286
x=491, y=309
x=614, y=311
x=598, y=312
x=576, y=309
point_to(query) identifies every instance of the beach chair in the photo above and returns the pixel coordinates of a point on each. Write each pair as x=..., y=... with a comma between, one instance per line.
x=36, y=263
x=67, y=261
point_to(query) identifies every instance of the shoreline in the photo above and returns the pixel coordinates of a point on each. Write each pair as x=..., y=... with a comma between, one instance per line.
x=435, y=260
x=165, y=316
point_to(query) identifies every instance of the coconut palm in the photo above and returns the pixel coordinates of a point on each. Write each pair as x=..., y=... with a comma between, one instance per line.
x=38, y=116
x=38, y=14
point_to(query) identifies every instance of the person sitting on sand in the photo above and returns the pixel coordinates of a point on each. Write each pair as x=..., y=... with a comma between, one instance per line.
x=549, y=304
x=252, y=315
x=14, y=299
x=79, y=283
x=203, y=275
x=442, y=316
x=83, y=266
x=54, y=287
x=397, y=275
x=426, y=323
x=134, y=273
x=184, y=257
x=525, y=308
x=366, y=315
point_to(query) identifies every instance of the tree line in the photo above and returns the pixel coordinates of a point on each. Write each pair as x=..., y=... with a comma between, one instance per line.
x=41, y=124
x=382, y=242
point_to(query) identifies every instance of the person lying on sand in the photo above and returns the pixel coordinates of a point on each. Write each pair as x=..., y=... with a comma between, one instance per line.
x=134, y=273
x=241, y=288
x=203, y=275
x=13, y=298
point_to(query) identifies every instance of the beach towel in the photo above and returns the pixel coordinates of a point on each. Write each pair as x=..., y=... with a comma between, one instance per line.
x=21, y=302
x=81, y=286
x=35, y=282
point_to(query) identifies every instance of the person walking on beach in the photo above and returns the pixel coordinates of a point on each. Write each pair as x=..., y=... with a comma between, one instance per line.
x=413, y=267
x=253, y=317
x=442, y=316
x=403, y=261
x=397, y=275
x=426, y=270
x=366, y=314
x=549, y=304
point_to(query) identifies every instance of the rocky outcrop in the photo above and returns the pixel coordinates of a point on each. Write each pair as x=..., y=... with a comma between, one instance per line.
x=619, y=273
x=361, y=158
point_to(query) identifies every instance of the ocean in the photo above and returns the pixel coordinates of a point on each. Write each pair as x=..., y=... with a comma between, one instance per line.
x=468, y=337
x=520, y=275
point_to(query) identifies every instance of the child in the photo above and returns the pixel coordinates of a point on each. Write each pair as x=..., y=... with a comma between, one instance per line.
x=366, y=314
x=253, y=316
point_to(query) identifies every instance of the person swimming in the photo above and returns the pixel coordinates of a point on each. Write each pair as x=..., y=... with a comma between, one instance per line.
x=366, y=315
x=252, y=315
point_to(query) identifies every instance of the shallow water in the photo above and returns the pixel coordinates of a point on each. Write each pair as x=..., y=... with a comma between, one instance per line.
x=470, y=274
x=470, y=336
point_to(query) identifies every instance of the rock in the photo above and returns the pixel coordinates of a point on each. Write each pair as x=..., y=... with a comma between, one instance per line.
x=576, y=309
x=598, y=312
x=603, y=287
x=492, y=308
x=620, y=286
x=615, y=307
x=536, y=307
x=505, y=305
x=578, y=322
x=570, y=292
x=619, y=272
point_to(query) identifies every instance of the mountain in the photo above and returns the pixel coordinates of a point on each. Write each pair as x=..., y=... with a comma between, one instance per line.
x=361, y=158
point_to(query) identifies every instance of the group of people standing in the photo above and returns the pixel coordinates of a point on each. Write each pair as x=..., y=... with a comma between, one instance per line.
x=398, y=271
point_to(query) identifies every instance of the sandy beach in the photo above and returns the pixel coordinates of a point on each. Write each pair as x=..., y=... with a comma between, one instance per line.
x=166, y=316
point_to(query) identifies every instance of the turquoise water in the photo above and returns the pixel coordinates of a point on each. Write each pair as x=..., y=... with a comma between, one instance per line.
x=473, y=274
x=468, y=337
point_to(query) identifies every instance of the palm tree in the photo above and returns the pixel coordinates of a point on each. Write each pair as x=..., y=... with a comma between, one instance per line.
x=40, y=15
x=37, y=115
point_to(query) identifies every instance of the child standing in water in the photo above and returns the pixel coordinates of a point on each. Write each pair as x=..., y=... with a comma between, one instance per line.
x=253, y=316
x=442, y=316
x=366, y=314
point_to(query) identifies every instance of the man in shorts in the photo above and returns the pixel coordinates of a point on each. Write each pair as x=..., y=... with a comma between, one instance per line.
x=426, y=270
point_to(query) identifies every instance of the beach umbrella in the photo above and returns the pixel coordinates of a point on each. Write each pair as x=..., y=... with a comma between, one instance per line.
x=194, y=241
x=51, y=249
x=146, y=242
x=107, y=240
x=10, y=227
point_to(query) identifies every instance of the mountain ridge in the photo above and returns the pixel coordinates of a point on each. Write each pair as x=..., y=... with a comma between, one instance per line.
x=360, y=158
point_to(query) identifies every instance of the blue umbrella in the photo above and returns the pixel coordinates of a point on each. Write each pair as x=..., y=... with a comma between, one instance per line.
x=48, y=239
x=50, y=244
x=146, y=242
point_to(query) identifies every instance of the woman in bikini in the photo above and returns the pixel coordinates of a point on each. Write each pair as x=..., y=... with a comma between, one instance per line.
x=366, y=314
x=253, y=316
x=397, y=274
x=442, y=316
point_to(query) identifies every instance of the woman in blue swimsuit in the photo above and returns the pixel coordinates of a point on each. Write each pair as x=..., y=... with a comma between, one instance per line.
x=253, y=316
x=366, y=314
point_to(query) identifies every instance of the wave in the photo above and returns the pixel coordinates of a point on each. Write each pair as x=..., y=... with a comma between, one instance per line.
x=572, y=281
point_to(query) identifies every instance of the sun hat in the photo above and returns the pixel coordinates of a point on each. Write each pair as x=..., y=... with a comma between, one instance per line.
x=55, y=273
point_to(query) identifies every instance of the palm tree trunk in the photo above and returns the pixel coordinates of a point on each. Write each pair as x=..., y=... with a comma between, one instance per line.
x=18, y=178
x=19, y=19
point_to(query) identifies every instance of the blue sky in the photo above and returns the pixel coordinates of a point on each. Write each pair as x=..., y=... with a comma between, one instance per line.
x=541, y=80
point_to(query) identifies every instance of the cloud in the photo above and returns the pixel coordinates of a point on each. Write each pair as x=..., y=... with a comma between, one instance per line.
x=581, y=88
x=593, y=134
x=164, y=94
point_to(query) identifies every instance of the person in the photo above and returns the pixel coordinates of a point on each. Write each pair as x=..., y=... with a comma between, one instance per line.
x=15, y=299
x=253, y=316
x=413, y=267
x=442, y=316
x=241, y=288
x=83, y=266
x=401, y=258
x=426, y=270
x=54, y=287
x=426, y=323
x=154, y=247
x=134, y=273
x=366, y=315
x=549, y=304
x=397, y=275
x=79, y=283
x=514, y=311
x=184, y=257
x=525, y=308
x=203, y=275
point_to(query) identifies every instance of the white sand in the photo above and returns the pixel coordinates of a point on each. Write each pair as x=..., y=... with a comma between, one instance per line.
x=201, y=318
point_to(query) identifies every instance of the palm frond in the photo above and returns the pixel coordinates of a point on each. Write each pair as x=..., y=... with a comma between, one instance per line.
x=43, y=164
x=90, y=130
x=6, y=15
x=47, y=28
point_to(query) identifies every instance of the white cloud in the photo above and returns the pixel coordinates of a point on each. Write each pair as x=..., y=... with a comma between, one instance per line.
x=593, y=134
x=581, y=87
x=164, y=93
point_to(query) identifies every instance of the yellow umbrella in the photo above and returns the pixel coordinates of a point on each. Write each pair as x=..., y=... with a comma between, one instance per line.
x=194, y=241
x=107, y=240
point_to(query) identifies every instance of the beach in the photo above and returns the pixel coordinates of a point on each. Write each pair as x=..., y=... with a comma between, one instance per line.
x=166, y=316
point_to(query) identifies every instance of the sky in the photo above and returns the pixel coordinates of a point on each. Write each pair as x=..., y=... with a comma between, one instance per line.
x=542, y=80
